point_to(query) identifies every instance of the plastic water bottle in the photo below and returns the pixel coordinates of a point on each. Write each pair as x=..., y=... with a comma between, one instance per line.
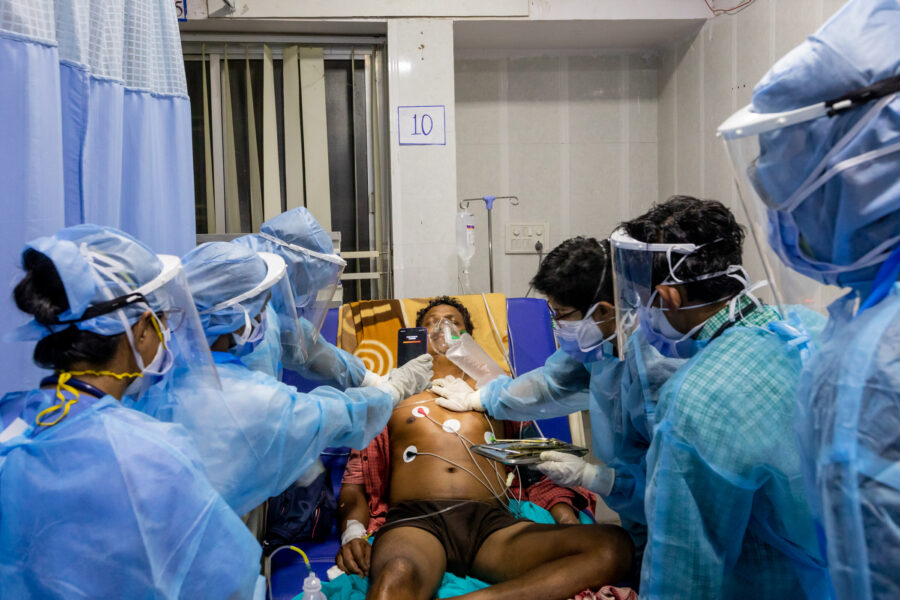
x=312, y=588
x=465, y=243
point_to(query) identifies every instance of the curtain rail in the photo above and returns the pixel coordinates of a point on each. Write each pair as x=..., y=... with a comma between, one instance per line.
x=308, y=40
x=256, y=53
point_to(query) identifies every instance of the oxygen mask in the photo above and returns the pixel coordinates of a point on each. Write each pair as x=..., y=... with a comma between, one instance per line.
x=442, y=335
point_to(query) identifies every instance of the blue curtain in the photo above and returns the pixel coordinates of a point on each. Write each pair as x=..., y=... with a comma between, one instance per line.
x=94, y=128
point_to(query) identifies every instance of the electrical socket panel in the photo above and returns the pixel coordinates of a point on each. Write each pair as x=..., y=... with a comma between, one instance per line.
x=521, y=237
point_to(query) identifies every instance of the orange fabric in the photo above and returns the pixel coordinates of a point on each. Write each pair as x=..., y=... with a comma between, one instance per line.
x=368, y=329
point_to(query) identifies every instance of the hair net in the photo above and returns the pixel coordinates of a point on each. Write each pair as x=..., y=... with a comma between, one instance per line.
x=288, y=235
x=218, y=271
x=855, y=214
x=97, y=264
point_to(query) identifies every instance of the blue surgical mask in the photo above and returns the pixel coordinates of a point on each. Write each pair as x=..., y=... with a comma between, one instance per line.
x=582, y=340
x=570, y=347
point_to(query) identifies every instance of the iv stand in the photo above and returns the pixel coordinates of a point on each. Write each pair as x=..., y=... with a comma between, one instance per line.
x=489, y=205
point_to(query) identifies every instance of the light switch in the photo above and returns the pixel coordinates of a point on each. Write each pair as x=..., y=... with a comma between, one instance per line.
x=522, y=237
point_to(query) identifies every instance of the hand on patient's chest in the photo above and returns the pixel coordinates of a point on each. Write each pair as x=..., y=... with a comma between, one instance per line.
x=420, y=419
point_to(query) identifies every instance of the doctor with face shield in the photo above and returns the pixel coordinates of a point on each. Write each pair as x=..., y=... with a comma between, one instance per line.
x=585, y=374
x=261, y=434
x=726, y=512
x=817, y=160
x=97, y=500
x=313, y=270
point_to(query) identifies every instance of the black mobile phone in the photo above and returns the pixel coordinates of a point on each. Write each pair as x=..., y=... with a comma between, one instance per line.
x=411, y=342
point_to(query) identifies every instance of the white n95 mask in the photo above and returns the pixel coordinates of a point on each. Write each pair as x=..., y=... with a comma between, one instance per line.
x=583, y=340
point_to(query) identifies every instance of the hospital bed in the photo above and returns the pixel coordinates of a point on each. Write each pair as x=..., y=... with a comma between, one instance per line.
x=530, y=343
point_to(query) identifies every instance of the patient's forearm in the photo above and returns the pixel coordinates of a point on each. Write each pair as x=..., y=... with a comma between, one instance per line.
x=352, y=504
x=564, y=514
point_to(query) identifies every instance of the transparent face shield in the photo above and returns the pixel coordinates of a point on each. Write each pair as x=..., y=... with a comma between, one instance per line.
x=281, y=306
x=176, y=322
x=270, y=299
x=788, y=287
x=788, y=167
x=314, y=278
x=313, y=307
x=192, y=360
x=633, y=264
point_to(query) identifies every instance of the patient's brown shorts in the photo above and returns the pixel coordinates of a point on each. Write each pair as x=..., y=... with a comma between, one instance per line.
x=461, y=530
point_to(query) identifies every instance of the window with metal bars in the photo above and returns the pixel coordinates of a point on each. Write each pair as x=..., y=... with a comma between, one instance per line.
x=254, y=159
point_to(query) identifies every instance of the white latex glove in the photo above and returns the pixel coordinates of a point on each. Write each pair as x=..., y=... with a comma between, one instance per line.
x=569, y=470
x=353, y=531
x=456, y=394
x=413, y=377
x=372, y=379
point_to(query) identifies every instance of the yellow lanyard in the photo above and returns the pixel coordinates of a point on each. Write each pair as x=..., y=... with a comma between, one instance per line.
x=62, y=386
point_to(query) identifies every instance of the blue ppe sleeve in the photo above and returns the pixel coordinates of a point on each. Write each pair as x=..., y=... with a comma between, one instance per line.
x=629, y=487
x=110, y=503
x=623, y=404
x=261, y=434
x=326, y=363
x=558, y=388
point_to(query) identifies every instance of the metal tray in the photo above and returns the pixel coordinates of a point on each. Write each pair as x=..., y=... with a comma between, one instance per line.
x=526, y=451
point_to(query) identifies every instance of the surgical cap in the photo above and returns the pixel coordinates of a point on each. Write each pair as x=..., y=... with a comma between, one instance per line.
x=297, y=227
x=219, y=271
x=859, y=207
x=96, y=264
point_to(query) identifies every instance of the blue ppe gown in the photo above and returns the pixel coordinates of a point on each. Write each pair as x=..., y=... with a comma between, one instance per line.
x=260, y=435
x=849, y=428
x=621, y=398
x=325, y=364
x=725, y=503
x=109, y=503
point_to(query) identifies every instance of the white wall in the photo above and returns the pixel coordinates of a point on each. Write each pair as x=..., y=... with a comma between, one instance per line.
x=704, y=80
x=573, y=135
x=617, y=9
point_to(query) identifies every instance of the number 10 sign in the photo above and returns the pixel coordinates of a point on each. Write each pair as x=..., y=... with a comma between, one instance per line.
x=421, y=125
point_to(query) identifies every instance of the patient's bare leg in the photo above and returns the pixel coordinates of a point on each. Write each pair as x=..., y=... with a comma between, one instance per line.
x=530, y=560
x=407, y=564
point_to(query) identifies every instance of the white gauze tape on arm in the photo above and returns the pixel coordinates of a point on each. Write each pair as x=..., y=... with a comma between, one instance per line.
x=353, y=531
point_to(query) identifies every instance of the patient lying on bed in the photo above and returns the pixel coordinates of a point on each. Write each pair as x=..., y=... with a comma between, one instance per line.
x=438, y=507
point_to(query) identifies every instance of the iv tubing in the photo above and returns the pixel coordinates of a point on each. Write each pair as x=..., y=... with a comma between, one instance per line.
x=268, y=569
x=497, y=337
